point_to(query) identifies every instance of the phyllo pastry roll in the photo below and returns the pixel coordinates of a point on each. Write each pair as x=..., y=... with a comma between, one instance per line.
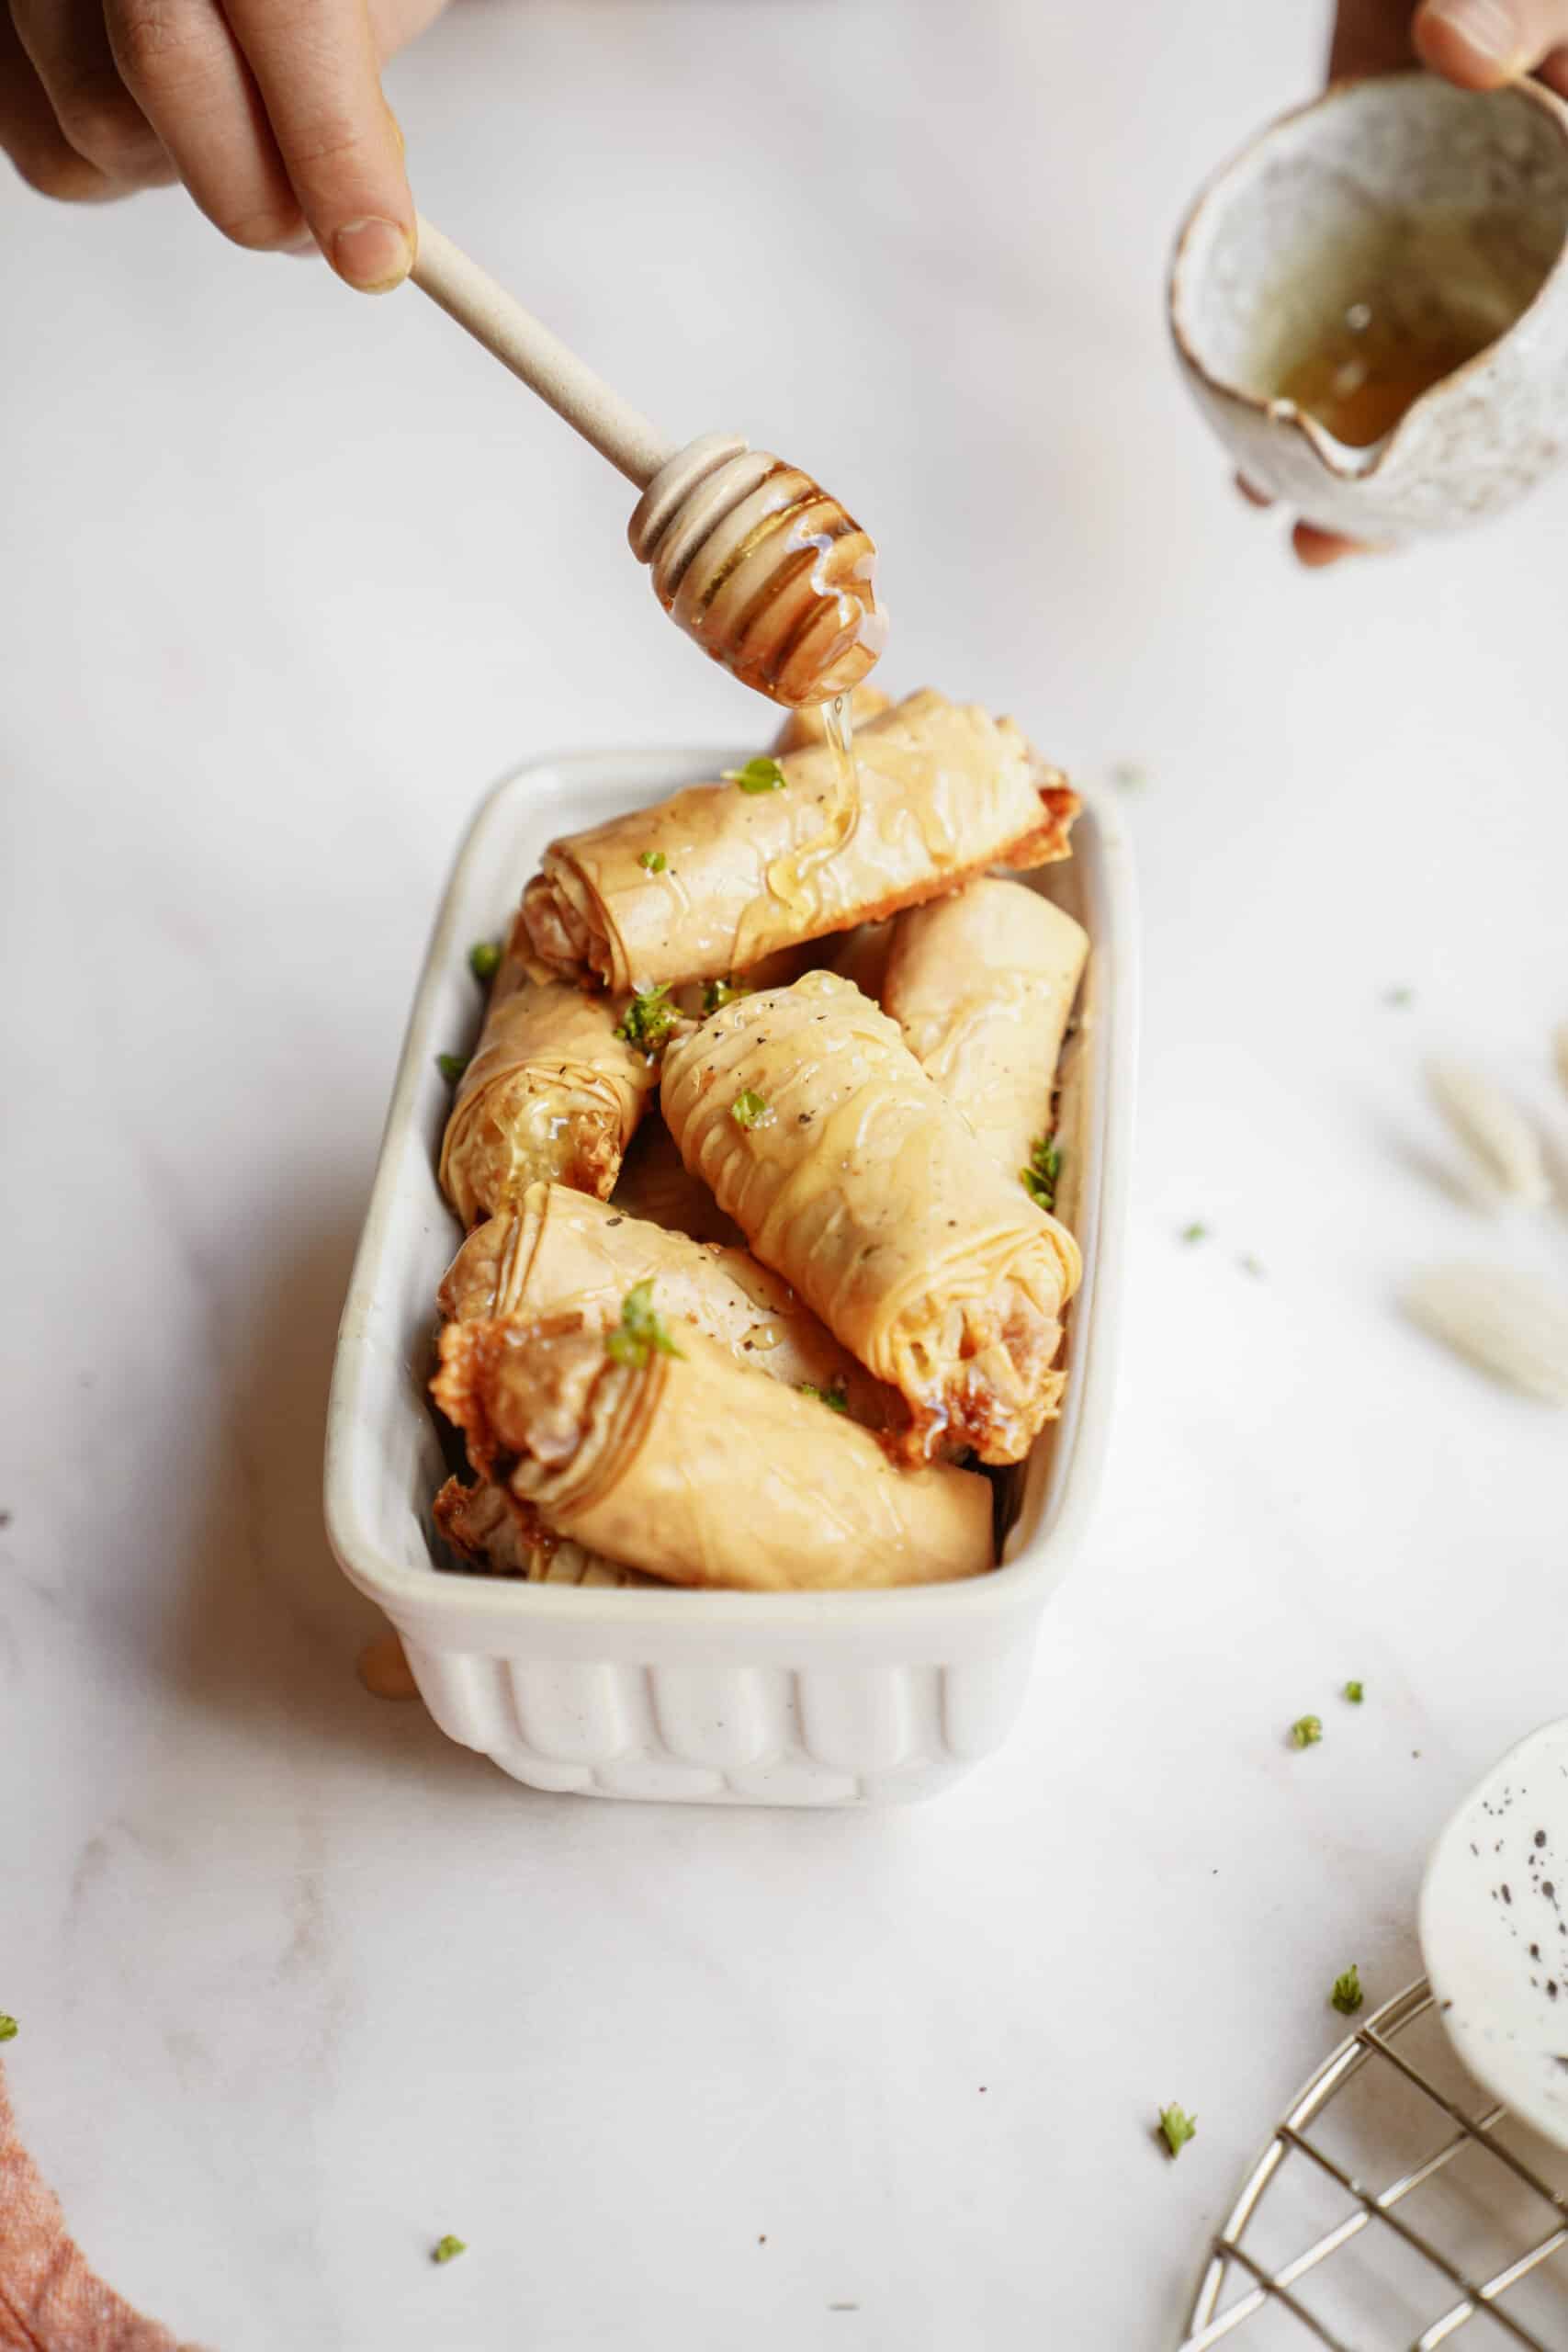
x=850, y=1172
x=695, y=1470
x=486, y=1531
x=561, y=1250
x=981, y=986
x=785, y=850
x=552, y=1091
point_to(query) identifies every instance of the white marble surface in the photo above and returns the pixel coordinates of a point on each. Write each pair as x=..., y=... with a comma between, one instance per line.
x=287, y=578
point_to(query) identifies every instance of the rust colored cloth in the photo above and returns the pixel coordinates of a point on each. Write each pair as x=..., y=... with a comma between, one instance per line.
x=49, y=2301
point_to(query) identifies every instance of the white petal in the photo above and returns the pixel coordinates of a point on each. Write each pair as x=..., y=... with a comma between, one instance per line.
x=1511, y=1325
x=1495, y=1129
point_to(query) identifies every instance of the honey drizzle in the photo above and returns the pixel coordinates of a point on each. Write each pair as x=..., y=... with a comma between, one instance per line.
x=787, y=875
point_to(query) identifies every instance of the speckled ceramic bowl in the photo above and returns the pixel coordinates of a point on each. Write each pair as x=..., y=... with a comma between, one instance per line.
x=1495, y=1930
x=1267, y=259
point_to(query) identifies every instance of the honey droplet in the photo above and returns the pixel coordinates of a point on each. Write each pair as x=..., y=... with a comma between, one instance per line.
x=384, y=1670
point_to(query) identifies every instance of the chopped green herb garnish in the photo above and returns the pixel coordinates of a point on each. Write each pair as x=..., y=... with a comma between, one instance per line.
x=1177, y=2127
x=647, y=1020
x=1306, y=1731
x=760, y=774
x=452, y=1066
x=1355, y=1692
x=640, y=1332
x=1254, y=1266
x=1128, y=777
x=1399, y=996
x=1195, y=1232
x=1039, y=1177
x=10, y=2029
x=716, y=994
x=749, y=1110
x=447, y=2249
x=653, y=861
x=1347, y=1995
x=836, y=1398
x=484, y=959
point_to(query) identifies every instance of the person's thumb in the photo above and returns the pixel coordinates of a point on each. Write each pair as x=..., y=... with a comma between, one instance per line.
x=1481, y=44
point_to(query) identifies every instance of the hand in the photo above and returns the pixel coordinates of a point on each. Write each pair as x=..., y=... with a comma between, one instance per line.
x=1479, y=45
x=270, y=111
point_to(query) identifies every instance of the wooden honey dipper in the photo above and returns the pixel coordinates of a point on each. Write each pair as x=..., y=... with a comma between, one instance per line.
x=755, y=561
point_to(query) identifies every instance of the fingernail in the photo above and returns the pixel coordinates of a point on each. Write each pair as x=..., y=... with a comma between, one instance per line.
x=374, y=255
x=300, y=246
x=1488, y=27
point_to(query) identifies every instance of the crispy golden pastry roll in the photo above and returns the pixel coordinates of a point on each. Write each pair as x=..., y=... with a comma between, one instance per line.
x=562, y=1249
x=655, y=1184
x=981, y=986
x=809, y=724
x=551, y=1092
x=713, y=880
x=697, y=1470
x=489, y=1535
x=852, y=1176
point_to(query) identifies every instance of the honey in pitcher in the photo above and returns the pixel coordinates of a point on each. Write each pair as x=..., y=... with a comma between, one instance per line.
x=1361, y=380
x=1428, y=293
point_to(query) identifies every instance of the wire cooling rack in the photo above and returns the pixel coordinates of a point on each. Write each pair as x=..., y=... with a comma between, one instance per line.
x=1459, y=2243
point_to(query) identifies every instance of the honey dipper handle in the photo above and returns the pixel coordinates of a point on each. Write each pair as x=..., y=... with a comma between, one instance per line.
x=522, y=343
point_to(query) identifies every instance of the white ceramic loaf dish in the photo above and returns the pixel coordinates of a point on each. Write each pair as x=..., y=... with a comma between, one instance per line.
x=730, y=1698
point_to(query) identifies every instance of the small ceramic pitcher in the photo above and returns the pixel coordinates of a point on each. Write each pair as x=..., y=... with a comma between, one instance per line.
x=1274, y=255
